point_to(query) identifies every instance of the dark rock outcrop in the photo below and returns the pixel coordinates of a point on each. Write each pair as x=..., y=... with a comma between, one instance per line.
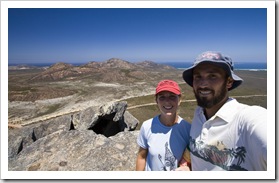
x=70, y=143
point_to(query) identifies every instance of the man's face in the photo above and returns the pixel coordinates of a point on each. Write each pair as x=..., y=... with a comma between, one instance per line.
x=210, y=85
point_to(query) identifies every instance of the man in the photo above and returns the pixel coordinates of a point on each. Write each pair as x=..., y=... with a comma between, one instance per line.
x=225, y=134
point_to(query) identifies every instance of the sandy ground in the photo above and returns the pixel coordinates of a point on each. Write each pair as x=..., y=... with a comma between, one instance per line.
x=23, y=113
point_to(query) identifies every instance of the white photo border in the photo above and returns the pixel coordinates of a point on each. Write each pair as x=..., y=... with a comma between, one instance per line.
x=269, y=174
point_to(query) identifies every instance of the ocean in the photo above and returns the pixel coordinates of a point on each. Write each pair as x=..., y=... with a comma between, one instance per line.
x=253, y=66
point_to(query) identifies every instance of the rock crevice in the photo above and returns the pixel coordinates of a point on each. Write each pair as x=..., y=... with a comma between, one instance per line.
x=87, y=140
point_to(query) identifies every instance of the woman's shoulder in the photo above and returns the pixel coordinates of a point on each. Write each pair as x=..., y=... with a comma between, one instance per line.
x=149, y=121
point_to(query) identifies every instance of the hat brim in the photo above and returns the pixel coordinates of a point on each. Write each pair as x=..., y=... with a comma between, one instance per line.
x=172, y=90
x=188, y=74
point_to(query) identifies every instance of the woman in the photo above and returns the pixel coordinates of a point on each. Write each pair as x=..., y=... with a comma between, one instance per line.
x=163, y=139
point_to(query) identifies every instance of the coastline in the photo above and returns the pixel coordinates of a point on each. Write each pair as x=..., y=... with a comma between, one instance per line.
x=253, y=66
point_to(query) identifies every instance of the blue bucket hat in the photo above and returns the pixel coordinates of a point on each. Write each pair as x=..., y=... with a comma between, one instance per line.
x=217, y=59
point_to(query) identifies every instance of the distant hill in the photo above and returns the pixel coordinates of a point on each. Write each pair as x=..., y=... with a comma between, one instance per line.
x=23, y=67
x=63, y=79
x=111, y=70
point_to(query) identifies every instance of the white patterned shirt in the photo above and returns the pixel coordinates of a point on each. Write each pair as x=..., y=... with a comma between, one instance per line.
x=235, y=138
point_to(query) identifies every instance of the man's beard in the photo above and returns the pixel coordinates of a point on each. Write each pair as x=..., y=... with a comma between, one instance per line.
x=208, y=103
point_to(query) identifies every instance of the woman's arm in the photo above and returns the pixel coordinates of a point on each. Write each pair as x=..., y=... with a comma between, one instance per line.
x=141, y=159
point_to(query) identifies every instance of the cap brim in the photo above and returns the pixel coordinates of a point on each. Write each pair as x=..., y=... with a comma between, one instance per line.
x=169, y=90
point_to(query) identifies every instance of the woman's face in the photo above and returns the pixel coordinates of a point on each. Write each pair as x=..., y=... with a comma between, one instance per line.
x=168, y=102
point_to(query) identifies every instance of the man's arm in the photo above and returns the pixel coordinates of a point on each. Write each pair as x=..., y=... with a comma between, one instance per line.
x=185, y=162
x=184, y=165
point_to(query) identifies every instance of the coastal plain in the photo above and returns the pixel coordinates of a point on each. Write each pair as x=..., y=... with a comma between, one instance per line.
x=38, y=94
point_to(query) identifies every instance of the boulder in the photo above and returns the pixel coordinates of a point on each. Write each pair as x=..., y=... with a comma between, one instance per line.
x=78, y=151
x=89, y=140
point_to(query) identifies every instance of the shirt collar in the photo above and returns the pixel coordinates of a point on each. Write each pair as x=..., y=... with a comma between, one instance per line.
x=226, y=112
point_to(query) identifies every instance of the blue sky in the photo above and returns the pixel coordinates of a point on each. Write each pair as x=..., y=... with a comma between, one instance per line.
x=72, y=35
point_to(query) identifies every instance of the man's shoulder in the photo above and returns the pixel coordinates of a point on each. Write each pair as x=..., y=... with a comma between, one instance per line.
x=253, y=108
x=232, y=102
x=251, y=114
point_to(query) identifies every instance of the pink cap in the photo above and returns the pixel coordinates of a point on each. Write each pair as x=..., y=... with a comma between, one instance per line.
x=168, y=85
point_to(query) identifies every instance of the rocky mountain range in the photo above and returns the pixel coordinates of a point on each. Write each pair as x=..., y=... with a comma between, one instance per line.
x=111, y=70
